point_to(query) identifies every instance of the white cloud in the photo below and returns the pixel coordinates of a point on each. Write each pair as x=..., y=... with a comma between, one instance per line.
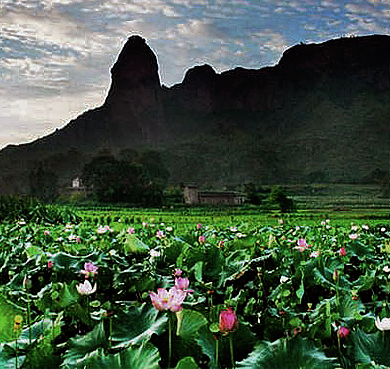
x=194, y=28
x=190, y=3
x=269, y=40
x=138, y=7
x=366, y=18
x=386, y=13
x=50, y=30
x=25, y=119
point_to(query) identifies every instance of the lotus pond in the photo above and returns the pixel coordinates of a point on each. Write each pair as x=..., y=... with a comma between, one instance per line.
x=86, y=295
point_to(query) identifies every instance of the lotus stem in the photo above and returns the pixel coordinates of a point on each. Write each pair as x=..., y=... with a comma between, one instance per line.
x=89, y=312
x=339, y=346
x=231, y=349
x=169, y=340
x=110, y=332
x=29, y=318
x=216, y=353
x=16, y=352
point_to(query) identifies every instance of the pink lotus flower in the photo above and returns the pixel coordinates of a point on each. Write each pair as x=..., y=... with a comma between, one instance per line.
x=343, y=332
x=178, y=272
x=227, y=321
x=160, y=300
x=105, y=229
x=86, y=288
x=314, y=254
x=168, y=300
x=202, y=239
x=46, y=232
x=343, y=251
x=160, y=234
x=50, y=264
x=198, y=226
x=182, y=283
x=90, y=270
x=302, y=245
x=177, y=298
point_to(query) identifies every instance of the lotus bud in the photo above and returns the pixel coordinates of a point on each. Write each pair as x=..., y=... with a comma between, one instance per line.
x=227, y=321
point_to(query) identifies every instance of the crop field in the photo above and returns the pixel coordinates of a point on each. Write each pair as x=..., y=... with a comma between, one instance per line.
x=345, y=204
x=195, y=288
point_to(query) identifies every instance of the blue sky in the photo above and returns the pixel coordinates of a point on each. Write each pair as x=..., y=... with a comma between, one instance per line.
x=56, y=55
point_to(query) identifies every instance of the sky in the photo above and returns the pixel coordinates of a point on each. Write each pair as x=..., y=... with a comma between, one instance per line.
x=56, y=55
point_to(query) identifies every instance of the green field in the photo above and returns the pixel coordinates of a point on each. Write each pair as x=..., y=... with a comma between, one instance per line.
x=343, y=204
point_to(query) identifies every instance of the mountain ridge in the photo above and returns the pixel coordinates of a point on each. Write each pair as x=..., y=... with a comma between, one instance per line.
x=300, y=120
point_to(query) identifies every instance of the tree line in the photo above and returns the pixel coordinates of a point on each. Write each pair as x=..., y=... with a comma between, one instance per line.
x=129, y=177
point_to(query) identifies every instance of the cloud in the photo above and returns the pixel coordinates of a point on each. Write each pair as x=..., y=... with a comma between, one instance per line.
x=48, y=51
x=25, y=119
x=368, y=17
x=194, y=28
x=138, y=7
x=270, y=40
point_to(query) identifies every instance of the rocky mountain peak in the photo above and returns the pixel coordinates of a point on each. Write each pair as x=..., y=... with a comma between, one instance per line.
x=133, y=104
x=338, y=54
x=136, y=65
x=199, y=75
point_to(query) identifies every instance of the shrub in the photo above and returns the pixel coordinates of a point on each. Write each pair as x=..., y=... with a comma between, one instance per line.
x=13, y=208
x=279, y=198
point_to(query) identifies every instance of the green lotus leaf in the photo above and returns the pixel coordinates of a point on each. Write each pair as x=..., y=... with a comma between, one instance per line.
x=370, y=348
x=8, y=360
x=189, y=322
x=135, y=245
x=82, y=347
x=57, y=296
x=34, y=250
x=42, y=355
x=7, y=313
x=37, y=355
x=187, y=363
x=294, y=353
x=136, y=325
x=145, y=356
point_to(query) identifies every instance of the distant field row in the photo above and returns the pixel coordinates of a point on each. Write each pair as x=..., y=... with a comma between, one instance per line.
x=343, y=204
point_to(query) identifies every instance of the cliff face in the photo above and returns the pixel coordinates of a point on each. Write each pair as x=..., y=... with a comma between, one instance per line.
x=321, y=113
x=302, y=67
x=134, y=101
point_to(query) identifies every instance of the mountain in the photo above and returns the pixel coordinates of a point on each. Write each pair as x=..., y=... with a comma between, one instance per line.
x=320, y=115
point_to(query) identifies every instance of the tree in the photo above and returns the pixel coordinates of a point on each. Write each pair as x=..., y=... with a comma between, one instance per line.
x=43, y=183
x=255, y=194
x=127, y=179
x=153, y=168
x=279, y=198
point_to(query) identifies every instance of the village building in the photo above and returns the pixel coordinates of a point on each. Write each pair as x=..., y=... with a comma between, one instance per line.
x=193, y=196
x=76, y=188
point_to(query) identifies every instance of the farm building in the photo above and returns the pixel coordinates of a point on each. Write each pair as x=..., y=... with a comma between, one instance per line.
x=76, y=188
x=193, y=196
